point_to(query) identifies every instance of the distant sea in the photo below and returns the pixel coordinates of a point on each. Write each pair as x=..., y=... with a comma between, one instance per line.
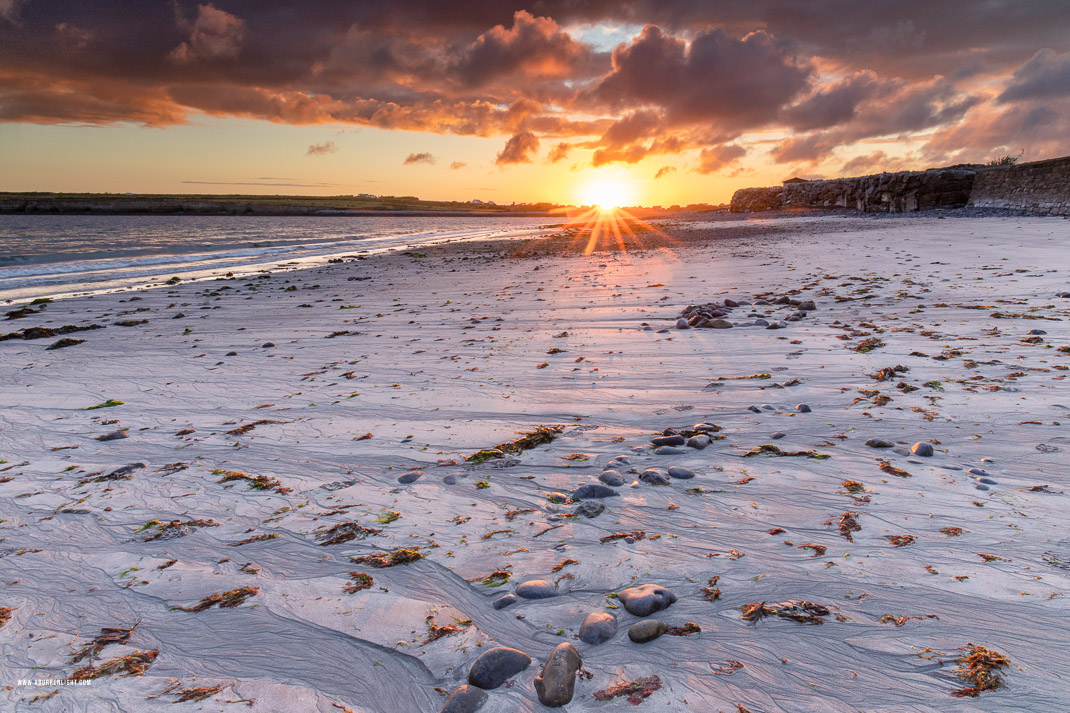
x=52, y=255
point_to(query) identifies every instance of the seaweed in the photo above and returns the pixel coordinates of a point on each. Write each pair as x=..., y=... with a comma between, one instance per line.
x=388, y=517
x=952, y=531
x=513, y=513
x=173, y=529
x=361, y=581
x=225, y=600
x=635, y=535
x=496, y=578
x=436, y=632
x=133, y=664
x=686, y=630
x=801, y=611
x=635, y=691
x=527, y=441
x=5, y=615
x=819, y=550
x=979, y=666
x=107, y=404
x=887, y=467
x=772, y=450
x=853, y=486
x=254, y=538
x=711, y=592
x=849, y=524
x=399, y=556
x=344, y=532
x=900, y=540
x=889, y=372
x=869, y=345
x=562, y=564
x=900, y=620
x=242, y=430
x=195, y=694
x=256, y=482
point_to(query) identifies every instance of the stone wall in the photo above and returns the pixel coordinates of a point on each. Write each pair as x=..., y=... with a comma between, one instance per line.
x=1041, y=187
x=901, y=192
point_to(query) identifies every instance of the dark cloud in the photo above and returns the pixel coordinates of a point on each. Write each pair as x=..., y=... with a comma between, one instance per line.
x=664, y=171
x=865, y=165
x=320, y=149
x=715, y=158
x=520, y=148
x=1046, y=75
x=737, y=83
x=418, y=158
x=829, y=73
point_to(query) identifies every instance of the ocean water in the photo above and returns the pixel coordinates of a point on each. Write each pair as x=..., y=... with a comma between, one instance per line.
x=55, y=255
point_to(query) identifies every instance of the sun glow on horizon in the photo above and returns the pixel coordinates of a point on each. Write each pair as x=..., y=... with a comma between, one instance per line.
x=607, y=192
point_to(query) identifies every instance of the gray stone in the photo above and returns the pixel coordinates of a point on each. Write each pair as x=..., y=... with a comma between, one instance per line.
x=682, y=323
x=505, y=600
x=768, y=407
x=761, y=322
x=557, y=682
x=698, y=442
x=598, y=628
x=776, y=325
x=612, y=477
x=807, y=306
x=981, y=487
x=986, y=481
x=673, y=440
x=646, y=599
x=668, y=451
x=803, y=408
x=496, y=666
x=647, y=630
x=921, y=448
x=679, y=473
x=450, y=480
x=708, y=427
x=754, y=409
x=730, y=303
x=589, y=509
x=777, y=435
x=465, y=699
x=879, y=443
x=1036, y=332
x=719, y=324
x=593, y=491
x=654, y=476
x=536, y=589
x=113, y=436
x=411, y=477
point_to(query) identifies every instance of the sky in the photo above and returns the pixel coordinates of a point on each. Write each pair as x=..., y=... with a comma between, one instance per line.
x=652, y=102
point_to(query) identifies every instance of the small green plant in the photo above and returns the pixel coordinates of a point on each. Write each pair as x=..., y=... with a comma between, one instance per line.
x=1006, y=160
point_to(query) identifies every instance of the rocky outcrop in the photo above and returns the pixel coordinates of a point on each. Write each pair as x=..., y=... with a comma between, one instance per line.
x=901, y=192
x=1041, y=187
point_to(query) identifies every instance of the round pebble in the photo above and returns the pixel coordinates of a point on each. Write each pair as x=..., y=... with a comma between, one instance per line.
x=505, y=600
x=612, y=477
x=647, y=630
x=777, y=435
x=598, y=628
x=653, y=476
x=646, y=599
x=679, y=473
x=879, y=443
x=921, y=448
x=802, y=408
x=668, y=451
x=496, y=666
x=411, y=477
x=536, y=589
x=593, y=491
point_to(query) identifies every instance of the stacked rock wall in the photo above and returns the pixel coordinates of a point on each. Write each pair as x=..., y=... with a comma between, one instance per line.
x=1041, y=187
x=880, y=193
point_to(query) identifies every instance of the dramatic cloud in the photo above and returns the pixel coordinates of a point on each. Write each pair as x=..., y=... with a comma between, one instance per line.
x=1045, y=75
x=320, y=149
x=715, y=158
x=518, y=149
x=698, y=77
x=215, y=34
x=418, y=158
x=864, y=165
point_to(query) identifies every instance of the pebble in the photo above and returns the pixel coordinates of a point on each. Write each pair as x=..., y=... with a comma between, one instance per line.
x=682, y=323
x=268, y=345
x=654, y=476
x=411, y=477
x=496, y=666
x=807, y=306
x=557, y=682
x=593, y=491
x=536, y=589
x=921, y=448
x=777, y=435
x=113, y=436
x=981, y=487
x=612, y=477
x=761, y=323
x=626, y=460
x=802, y=408
x=754, y=409
x=589, y=509
x=676, y=471
x=231, y=354
x=668, y=451
x=976, y=471
x=768, y=407
x=986, y=481
x=879, y=443
x=646, y=599
x=730, y=303
x=1036, y=331
x=465, y=699
x=598, y=628
x=647, y=630
x=674, y=440
x=704, y=427
x=776, y=325
x=698, y=442
x=719, y=324
x=505, y=600
x=450, y=480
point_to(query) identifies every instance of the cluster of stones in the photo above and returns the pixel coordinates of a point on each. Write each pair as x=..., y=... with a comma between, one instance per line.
x=714, y=315
x=555, y=685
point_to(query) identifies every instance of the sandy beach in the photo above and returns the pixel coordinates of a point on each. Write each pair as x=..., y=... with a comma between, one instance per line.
x=307, y=444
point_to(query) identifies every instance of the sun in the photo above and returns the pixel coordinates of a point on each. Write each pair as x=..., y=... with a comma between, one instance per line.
x=607, y=192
